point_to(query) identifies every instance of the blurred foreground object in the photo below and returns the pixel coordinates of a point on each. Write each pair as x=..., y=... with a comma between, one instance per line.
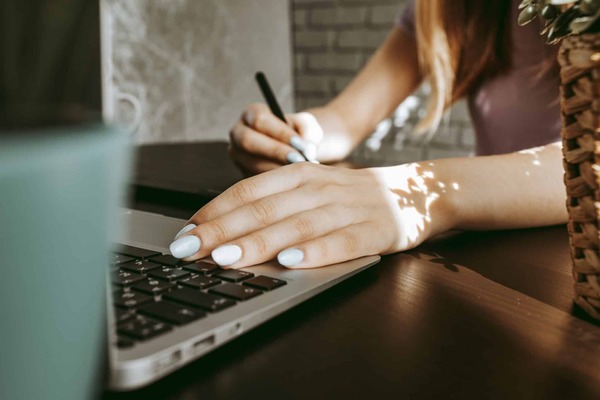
x=60, y=182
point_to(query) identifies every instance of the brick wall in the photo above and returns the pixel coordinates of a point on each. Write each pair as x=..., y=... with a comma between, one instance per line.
x=333, y=39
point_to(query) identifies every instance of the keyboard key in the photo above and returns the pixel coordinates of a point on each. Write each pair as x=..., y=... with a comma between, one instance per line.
x=117, y=259
x=170, y=261
x=153, y=286
x=143, y=328
x=140, y=266
x=122, y=315
x=125, y=278
x=202, y=268
x=233, y=275
x=135, y=252
x=171, y=313
x=130, y=299
x=265, y=283
x=124, y=343
x=235, y=291
x=168, y=274
x=200, y=282
x=198, y=299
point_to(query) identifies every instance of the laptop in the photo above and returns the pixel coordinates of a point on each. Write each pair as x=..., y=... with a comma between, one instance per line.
x=162, y=313
x=166, y=314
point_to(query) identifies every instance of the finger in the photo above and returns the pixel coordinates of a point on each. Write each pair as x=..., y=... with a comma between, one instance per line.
x=261, y=119
x=264, y=244
x=259, y=144
x=251, y=189
x=250, y=164
x=345, y=244
x=309, y=127
x=252, y=218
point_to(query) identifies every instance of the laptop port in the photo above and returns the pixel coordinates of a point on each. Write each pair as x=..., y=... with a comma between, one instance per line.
x=167, y=362
x=203, y=345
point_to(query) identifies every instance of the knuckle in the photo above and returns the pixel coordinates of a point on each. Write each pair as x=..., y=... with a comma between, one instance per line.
x=244, y=192
x=304, y=227
x=219, y=232
x=276, y=153
x=260, y=243
x=259, y=119
x=298, y=168
x=306, y=169
x=245, y=142
x=322, y=249
x=264, y=211
x=350, y=242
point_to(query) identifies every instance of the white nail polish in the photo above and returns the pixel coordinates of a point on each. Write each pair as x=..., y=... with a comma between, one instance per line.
x=185, y=247
x=227, y=255
x=294, y=157
x=311, y=151
x=185, y=229
x=298, y=143
x=290, y=257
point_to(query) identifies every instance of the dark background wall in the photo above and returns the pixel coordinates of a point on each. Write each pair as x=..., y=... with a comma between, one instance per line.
x=49, y=52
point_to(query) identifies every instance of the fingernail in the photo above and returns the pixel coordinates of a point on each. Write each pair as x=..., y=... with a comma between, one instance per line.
x=185, y=247
x=185, y=229
x=311, y=151
x=227, y=255
x=298, y=143
x=294, y=157
x=249, y=117
x=290, y=257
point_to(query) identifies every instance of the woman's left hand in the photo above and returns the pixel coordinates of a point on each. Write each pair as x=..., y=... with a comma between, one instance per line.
x=308, y=215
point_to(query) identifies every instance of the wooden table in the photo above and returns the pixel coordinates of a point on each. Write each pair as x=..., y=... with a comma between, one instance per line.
x=483, y=315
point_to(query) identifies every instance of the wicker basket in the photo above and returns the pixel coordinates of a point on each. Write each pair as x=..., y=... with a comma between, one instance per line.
x=579, y=58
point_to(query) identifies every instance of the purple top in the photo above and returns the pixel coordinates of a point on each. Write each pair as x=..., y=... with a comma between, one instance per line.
x=516, y=110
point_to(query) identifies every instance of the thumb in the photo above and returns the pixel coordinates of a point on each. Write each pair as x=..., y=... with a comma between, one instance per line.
x=308, y=127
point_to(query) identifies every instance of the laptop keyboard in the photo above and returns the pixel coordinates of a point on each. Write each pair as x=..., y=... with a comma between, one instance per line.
x=154, y=293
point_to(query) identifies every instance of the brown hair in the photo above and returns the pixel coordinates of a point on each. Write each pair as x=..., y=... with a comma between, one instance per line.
x=460, y=43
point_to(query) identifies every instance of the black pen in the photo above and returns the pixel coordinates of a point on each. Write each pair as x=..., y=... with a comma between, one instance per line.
x=269, y=96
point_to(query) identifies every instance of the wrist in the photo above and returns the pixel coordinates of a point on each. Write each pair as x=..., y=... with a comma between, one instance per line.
x=423, y=188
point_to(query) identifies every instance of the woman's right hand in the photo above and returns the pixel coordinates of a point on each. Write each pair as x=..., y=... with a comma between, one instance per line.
x=260, y=141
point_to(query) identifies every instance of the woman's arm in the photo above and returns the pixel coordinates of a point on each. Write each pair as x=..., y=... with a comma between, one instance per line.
x=517, y=190
x=389, y=77
x=315, y=215
x=261, y=142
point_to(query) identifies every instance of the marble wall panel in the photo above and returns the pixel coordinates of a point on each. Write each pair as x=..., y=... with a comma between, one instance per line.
x=182, y=70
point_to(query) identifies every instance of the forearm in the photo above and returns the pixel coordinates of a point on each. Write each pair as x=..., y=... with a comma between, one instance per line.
x=516, y=190
x=389, y=77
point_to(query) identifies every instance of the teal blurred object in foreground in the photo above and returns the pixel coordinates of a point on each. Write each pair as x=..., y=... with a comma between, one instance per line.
x=59, y=194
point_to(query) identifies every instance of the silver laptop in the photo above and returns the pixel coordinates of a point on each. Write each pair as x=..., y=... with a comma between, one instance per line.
x=165, y=315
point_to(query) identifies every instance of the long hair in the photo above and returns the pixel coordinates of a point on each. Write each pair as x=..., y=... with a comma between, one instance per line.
x=460, y=43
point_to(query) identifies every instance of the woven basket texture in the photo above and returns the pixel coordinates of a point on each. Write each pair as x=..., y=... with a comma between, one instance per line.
x=579, y=59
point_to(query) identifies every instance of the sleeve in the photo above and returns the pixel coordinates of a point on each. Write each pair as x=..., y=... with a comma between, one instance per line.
x=406, y=18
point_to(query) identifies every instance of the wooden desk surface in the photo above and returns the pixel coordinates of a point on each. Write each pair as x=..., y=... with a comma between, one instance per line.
x=484, y=315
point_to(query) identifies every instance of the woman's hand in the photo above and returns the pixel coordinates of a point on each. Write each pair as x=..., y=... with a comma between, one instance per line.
x=260, y=141
x=308, y=215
